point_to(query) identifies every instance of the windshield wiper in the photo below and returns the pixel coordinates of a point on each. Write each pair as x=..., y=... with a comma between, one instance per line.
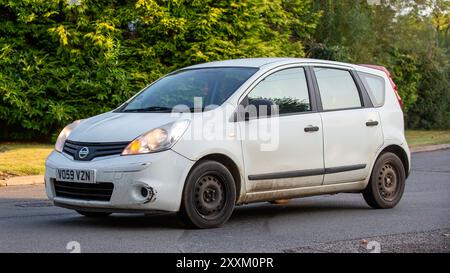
x=162, y=109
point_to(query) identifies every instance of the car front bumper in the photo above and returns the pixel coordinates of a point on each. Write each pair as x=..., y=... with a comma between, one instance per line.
x=164, y=173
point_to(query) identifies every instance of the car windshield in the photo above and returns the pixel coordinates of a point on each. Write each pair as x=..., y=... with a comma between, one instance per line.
x=206, y=86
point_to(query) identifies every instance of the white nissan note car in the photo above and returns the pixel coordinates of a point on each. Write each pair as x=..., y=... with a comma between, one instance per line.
x=208, y=137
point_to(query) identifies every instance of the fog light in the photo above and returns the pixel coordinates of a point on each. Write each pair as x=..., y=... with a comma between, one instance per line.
x=148, y=193
x=144, y=192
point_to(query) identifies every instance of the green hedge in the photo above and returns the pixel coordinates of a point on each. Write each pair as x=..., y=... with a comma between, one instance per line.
x=65, y=60
x=62, y=60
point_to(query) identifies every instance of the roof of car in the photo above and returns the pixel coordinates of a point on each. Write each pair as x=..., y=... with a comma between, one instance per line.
x=260, y=62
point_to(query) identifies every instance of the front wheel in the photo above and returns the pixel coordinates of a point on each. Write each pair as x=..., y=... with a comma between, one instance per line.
x=209, y=195
x=387, y=182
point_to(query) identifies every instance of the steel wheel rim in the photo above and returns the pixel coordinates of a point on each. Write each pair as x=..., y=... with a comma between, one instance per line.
x=388, y=182
x=209, y=196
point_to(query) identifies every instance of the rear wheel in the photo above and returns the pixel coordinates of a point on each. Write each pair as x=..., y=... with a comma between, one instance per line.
x=209, y=196
x=387, y=182
x=93, y=214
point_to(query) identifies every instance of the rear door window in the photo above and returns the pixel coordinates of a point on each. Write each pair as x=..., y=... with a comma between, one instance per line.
x=337, y=89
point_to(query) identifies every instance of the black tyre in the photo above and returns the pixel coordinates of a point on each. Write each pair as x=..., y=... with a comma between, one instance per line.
x=209, y=196
x=94, y=214
x=387, y=182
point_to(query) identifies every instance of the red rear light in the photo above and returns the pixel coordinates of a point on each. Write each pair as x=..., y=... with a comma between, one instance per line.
x=394, y=86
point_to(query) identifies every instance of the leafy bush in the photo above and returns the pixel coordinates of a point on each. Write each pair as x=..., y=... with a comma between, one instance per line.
x=62, y=60
x=432, y=108
x=66, y=60
x=412, y=44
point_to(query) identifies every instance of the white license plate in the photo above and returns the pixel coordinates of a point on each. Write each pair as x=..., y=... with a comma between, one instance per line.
x=81, y=176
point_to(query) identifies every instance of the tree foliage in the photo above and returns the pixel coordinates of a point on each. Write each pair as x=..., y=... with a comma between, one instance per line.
x=65, y=60
x=62, y=60
x=410, y=38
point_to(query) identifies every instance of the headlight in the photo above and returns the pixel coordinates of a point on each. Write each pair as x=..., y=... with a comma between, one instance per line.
x=158, y=139
x=64, y=135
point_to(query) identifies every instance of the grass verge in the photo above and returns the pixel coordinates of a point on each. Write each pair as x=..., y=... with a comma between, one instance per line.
x=22, y=158
x=418, y=138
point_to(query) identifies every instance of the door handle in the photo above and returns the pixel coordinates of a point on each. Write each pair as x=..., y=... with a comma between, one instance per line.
x=311, y=128
x=371, y=123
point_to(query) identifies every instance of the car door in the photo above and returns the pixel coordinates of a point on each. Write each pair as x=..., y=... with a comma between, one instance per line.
x=282, y=151
x=351, y=126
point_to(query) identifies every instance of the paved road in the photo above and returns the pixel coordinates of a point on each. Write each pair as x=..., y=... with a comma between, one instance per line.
x=421, y=222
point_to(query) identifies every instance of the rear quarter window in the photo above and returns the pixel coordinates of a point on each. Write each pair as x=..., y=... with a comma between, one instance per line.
x=375, y=86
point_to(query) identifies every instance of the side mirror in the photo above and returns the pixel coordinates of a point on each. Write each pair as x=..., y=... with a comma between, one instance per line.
x=260, y=107
x=254, y=108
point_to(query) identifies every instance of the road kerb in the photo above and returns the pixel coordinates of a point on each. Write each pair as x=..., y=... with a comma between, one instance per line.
x=430, y=148
x=23, y=180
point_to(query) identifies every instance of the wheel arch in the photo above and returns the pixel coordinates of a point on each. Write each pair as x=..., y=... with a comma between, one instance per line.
x=400, y=152
x=230, y=165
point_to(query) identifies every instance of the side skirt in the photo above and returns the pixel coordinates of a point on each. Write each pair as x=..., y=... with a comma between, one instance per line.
x=304, y=191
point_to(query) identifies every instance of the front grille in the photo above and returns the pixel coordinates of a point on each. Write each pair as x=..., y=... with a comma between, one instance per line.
x=84, y=191
x=92, y=150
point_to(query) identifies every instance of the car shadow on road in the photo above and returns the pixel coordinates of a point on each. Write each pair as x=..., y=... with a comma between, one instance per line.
x=297, y=209
x=243, y=215
x=124, y=221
